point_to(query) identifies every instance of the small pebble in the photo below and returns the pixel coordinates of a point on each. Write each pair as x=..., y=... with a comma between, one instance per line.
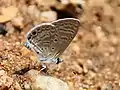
x=8, y=13
x=46, y=2
x=107, y=86
x=39, y=82
x=5, y=80
x=48, y=16
x=18, y=21
x=33, y=12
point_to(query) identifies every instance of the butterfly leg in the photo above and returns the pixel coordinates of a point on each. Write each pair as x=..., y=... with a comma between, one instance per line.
x=43, y=67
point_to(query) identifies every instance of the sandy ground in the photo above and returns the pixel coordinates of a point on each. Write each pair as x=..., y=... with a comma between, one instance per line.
x=92, y=60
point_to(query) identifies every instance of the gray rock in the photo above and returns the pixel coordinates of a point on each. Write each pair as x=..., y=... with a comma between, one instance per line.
x=40, y=82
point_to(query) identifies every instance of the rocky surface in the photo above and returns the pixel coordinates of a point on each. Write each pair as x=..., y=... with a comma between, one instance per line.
x=92, y=60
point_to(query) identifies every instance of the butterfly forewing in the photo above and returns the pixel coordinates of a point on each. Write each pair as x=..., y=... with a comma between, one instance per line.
x=40, y=38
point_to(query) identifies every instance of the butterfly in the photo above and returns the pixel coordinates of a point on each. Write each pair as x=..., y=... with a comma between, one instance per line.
x=49, y=40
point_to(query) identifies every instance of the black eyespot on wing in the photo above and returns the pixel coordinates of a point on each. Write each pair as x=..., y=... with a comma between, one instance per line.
x=30, y=41
x=37, y=52
x=41, y=48
x=71, y=37
x=55, y=40
x=29, y=37
x=53, y=48
x=34, y=33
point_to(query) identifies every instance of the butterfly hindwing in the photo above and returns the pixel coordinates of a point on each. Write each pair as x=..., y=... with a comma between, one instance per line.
x=66, y=30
